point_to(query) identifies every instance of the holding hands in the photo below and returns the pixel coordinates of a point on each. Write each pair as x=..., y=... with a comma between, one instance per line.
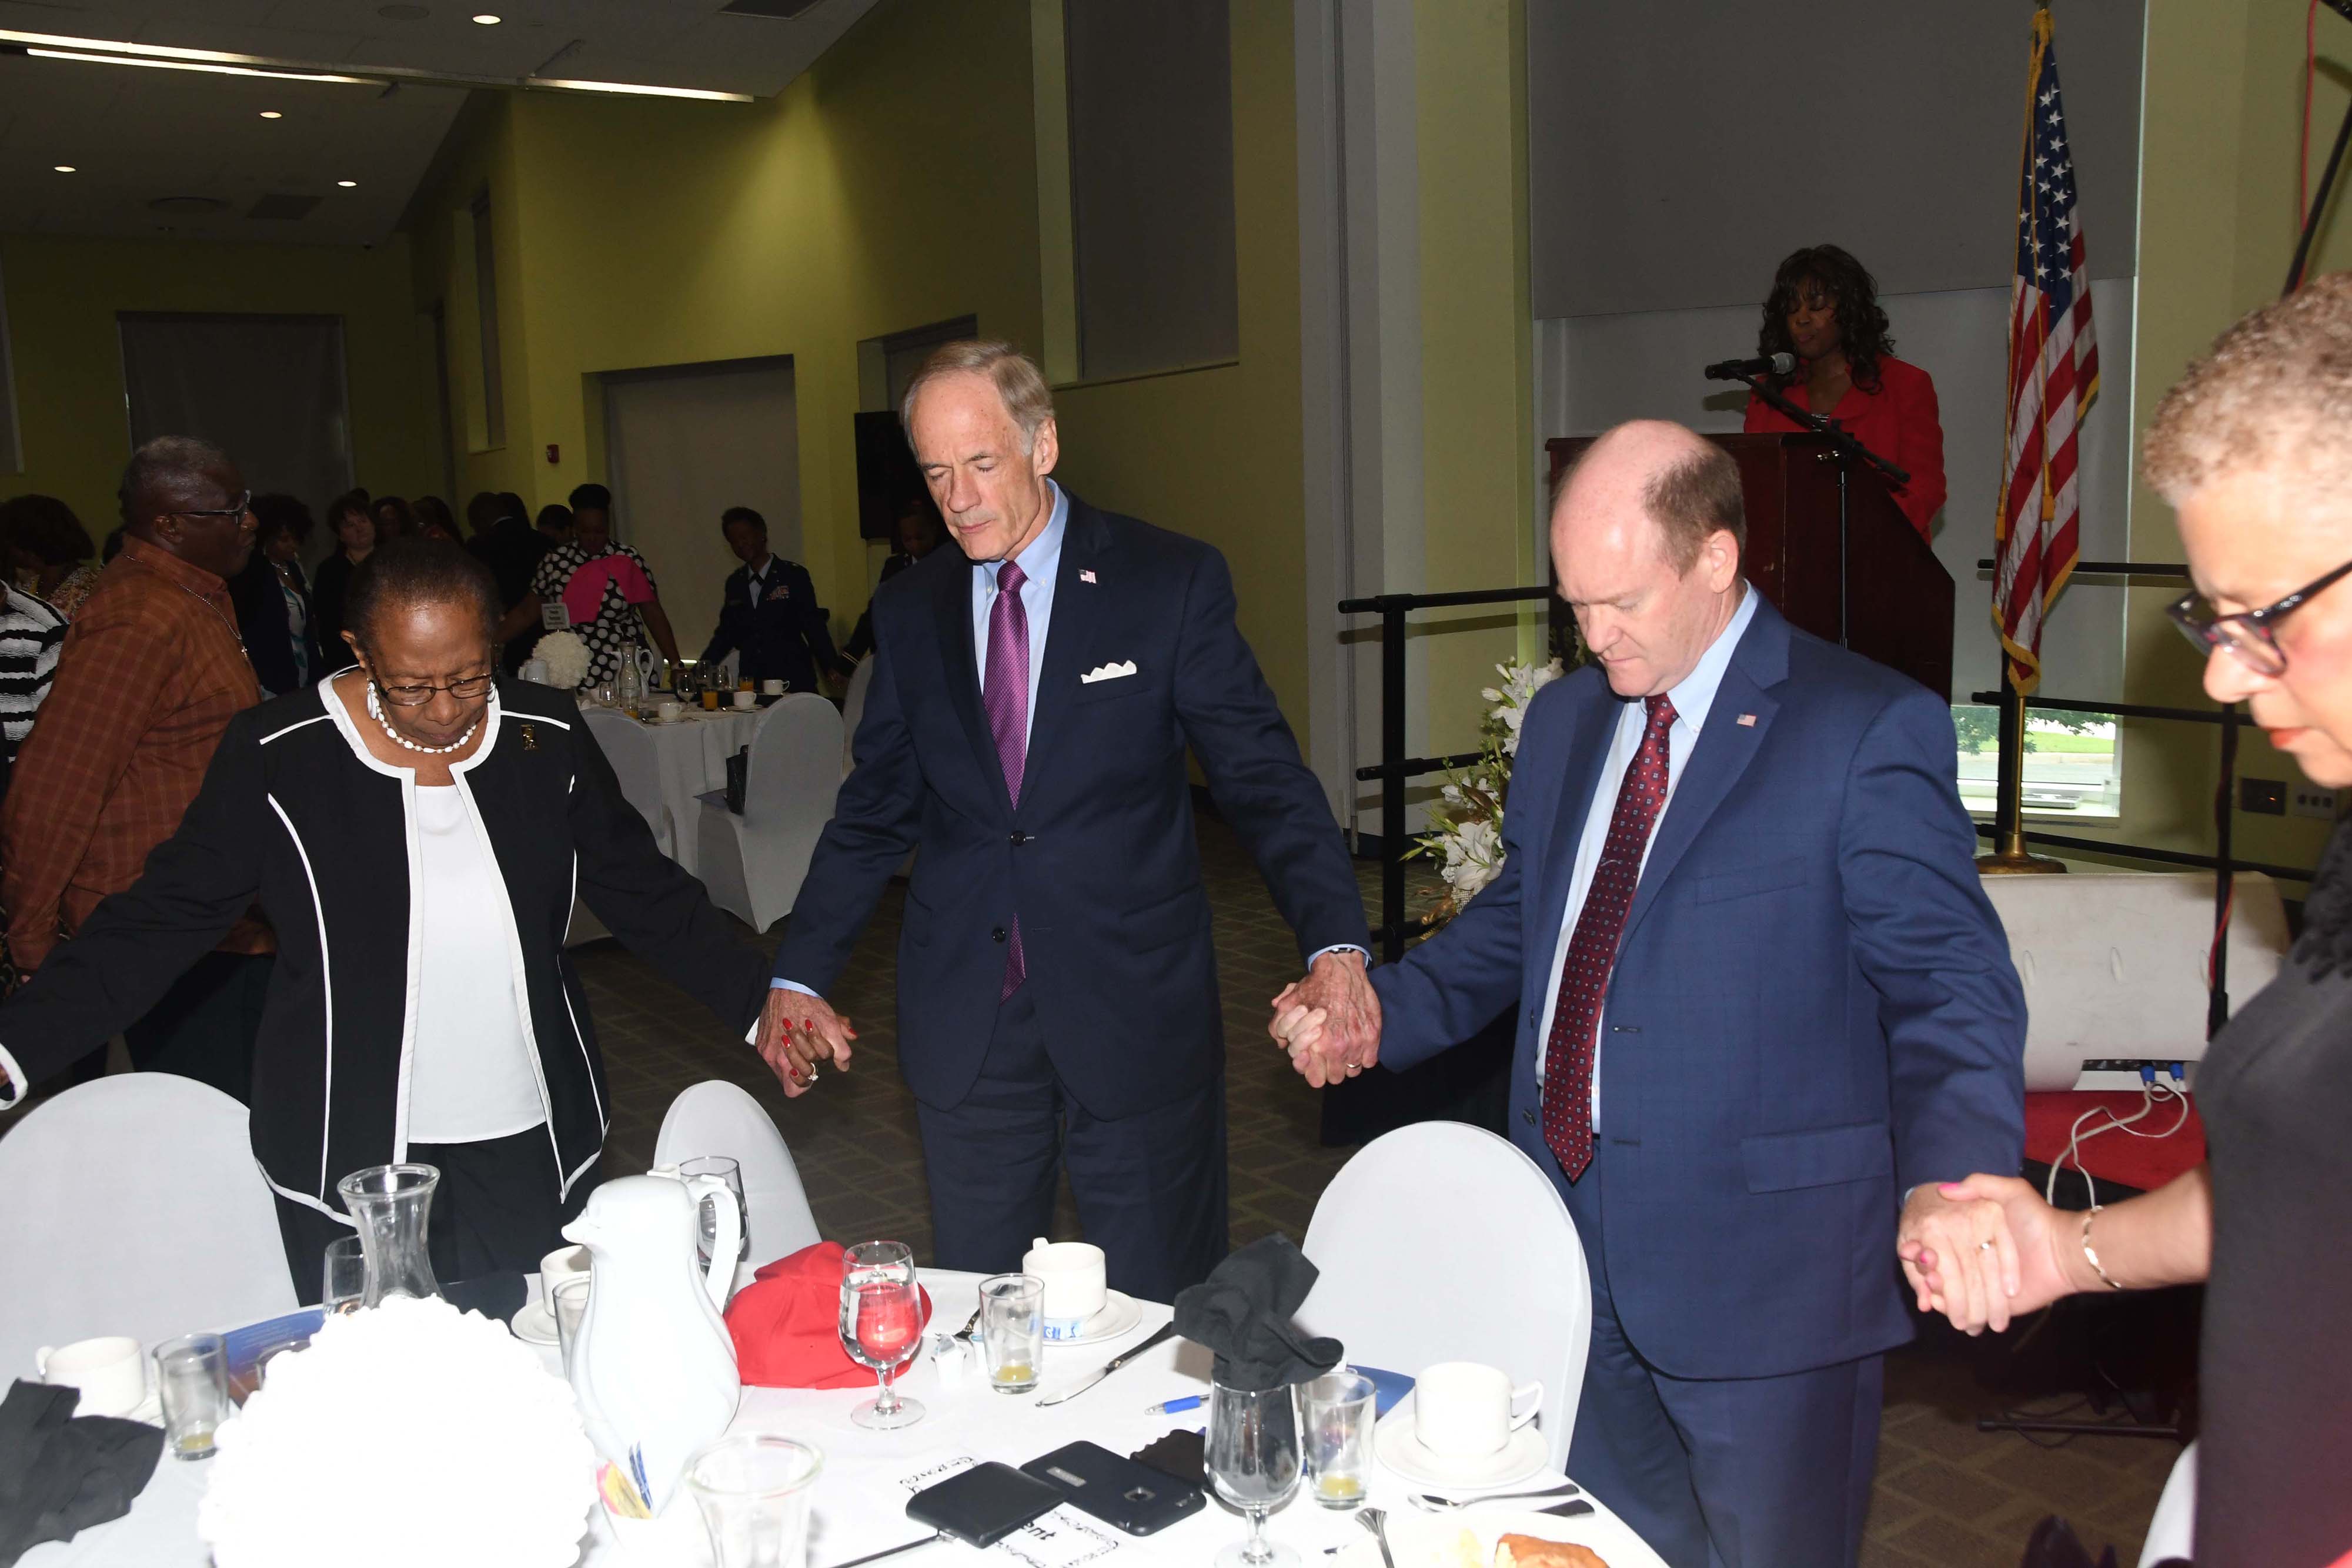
x=797, y=1032
x=1984, y=1250
x=1329, y=1022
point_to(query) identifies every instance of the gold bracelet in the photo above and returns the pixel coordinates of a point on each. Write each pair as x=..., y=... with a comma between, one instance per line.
x=2093, y=1256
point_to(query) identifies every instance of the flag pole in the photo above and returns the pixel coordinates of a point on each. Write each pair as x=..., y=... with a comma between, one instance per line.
x=2009, y=856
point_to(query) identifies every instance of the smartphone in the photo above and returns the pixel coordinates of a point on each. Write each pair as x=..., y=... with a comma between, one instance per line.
x=984, y=1504
x=1122, y=1492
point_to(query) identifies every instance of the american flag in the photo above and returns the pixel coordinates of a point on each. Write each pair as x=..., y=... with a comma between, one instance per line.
x=2054, y=376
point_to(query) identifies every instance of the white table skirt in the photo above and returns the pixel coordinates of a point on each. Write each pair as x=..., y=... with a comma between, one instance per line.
x=693, y=754
x=860, y=1501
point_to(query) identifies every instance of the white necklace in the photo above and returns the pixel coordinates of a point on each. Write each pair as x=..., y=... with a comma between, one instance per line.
x=375, y=712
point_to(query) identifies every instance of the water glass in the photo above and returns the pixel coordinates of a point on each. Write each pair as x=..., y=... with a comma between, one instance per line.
x=192, y=1379
x=881, y=1324
x=567, y=1302
x=1339, y=1413
x=392, y=1207
x=753, y=1492
x=346, y=1275
x=1013, y=1331
x=1252, y=1462
x=707, y=1211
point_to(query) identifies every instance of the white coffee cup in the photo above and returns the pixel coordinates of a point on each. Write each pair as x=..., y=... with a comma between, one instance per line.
x=668, y=711
x=747, y=699
x=1463, y=1410
x=562, y=1263
x=111, y=1374
x=772, y=688
x=1073, y=1273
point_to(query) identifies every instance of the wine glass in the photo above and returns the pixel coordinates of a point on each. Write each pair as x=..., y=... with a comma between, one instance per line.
x=881, y=1323
x=1252, y=1461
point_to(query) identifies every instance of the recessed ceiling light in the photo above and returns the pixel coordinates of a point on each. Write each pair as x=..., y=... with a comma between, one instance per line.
x=487, y=20
x=348, y=184
x=63, y=168
x=271, y=114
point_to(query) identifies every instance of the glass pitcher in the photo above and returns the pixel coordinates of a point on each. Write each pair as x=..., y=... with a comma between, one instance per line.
x=391, y=1205
x=631, y=680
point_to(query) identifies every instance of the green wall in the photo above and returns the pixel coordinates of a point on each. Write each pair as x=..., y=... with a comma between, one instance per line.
x=62, y=298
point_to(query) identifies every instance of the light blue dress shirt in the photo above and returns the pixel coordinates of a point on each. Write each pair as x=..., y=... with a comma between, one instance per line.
x=1040, y=563
x=1694, y=700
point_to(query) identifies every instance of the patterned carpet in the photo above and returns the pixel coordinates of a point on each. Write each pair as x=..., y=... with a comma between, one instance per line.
x=1947, y=1496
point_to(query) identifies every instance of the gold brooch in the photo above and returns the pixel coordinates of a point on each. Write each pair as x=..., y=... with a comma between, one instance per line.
x=530, y=738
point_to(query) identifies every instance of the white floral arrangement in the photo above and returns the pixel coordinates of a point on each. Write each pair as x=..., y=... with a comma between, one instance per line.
x=1469, y=840
x=409, y=1433
x=566, y=656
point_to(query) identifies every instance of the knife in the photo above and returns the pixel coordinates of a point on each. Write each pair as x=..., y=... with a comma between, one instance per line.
x=1167, y=1332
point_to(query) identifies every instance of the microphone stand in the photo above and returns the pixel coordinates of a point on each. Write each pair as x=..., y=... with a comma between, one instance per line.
x=1847, y=451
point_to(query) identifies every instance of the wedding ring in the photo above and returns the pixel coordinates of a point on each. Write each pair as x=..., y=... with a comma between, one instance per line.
x=1984, y=1246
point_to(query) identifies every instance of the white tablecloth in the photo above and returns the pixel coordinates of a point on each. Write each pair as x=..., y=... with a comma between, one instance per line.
x=693, y=754
x=860, y=1501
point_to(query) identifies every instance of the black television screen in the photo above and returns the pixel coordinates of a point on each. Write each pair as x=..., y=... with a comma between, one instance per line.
x=887, y=475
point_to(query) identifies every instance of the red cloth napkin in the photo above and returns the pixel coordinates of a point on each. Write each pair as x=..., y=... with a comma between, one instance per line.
x=787, y=1324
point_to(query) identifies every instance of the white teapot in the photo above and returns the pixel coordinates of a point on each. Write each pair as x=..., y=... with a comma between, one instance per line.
x=654, y=1365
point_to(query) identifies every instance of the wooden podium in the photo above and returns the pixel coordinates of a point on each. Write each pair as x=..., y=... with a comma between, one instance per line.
x=1884, y=595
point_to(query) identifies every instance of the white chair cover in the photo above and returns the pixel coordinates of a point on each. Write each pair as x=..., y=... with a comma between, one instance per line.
x=2173, y=1530
x=753, y=863
x=133, y=1207
x=1440, y=1241
x=853, y=709
x=636, y=762
x=718, y=1118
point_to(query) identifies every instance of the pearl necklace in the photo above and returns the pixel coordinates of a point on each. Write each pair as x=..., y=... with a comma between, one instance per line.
x=375, y=712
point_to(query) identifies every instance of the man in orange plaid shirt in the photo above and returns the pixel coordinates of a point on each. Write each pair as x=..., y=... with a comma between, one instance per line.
x=152, y=670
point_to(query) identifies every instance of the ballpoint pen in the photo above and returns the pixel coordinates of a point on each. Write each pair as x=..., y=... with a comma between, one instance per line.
x=1170, y=1407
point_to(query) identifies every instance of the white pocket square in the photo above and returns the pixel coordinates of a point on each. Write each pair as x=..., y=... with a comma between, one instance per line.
x=1107, y=672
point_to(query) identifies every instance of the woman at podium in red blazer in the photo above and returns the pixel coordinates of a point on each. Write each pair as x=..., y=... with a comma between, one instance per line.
x=1824, y=309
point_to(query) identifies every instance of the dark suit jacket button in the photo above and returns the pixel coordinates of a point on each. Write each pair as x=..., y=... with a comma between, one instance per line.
x=997, y=934
x=1019, y=838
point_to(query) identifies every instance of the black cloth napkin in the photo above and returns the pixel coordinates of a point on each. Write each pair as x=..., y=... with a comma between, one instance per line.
x=1242, y=1313
x=60, y=1475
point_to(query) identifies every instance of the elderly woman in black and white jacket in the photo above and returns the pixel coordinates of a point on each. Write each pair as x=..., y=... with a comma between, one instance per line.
x=415, y=829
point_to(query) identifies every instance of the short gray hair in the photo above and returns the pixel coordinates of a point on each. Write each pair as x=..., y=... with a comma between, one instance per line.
x=2274, y=393
x=1017, y=379
x=165, y=464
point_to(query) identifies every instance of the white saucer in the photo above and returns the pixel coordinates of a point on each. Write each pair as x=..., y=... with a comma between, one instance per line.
x=1396, y=1446
x=1120, y=1312
x=535, y=1324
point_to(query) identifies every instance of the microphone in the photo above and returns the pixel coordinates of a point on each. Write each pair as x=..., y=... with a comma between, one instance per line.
x=1736, y=369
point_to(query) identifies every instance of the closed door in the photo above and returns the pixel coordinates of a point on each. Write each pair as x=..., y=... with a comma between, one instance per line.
x=685, y=444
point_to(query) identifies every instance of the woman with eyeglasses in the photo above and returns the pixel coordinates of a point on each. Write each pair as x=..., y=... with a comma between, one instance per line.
x=414, y=829
x=2253, y=450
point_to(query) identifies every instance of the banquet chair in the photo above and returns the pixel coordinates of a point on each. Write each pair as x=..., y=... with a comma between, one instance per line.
x=2174, y=1527
x=135, y=1207
x=753, y=863
x=716, y=1117
x=1440, y=1241
x=629, y=748
x=853, y=709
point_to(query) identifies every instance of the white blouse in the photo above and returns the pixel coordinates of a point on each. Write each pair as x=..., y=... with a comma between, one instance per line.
x=471, y=1076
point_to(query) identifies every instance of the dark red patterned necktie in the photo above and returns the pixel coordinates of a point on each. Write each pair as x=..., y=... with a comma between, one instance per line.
x=1585, y=978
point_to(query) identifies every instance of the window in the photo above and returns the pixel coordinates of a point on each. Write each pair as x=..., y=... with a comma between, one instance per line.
x=1151, y=185
x=486, y=303
x=12, y=445
x=2072, y=761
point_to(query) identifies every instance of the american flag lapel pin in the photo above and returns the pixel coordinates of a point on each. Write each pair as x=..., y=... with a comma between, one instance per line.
x=1745, y=721
x=1087, y=574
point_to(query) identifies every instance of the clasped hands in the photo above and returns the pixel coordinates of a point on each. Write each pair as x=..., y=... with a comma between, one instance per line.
x=1329, y=1022
x=797, y=1032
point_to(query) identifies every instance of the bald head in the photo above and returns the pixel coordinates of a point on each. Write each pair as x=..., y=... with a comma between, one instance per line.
x=1646, y=533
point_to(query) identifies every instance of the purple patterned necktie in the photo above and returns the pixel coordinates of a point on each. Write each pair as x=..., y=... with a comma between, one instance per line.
x=1005, y=695
x=1592, y=951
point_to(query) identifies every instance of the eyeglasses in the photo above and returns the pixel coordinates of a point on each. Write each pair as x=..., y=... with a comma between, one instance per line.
x=243, y=504
x=2249, y=634
x=464, y=690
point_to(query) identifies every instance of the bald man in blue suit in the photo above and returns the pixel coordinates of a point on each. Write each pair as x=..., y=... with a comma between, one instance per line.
x=1764, y=1007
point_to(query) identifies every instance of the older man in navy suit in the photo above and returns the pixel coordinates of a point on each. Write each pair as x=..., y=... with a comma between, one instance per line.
x=1034, y=695
x=1763, y=1006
